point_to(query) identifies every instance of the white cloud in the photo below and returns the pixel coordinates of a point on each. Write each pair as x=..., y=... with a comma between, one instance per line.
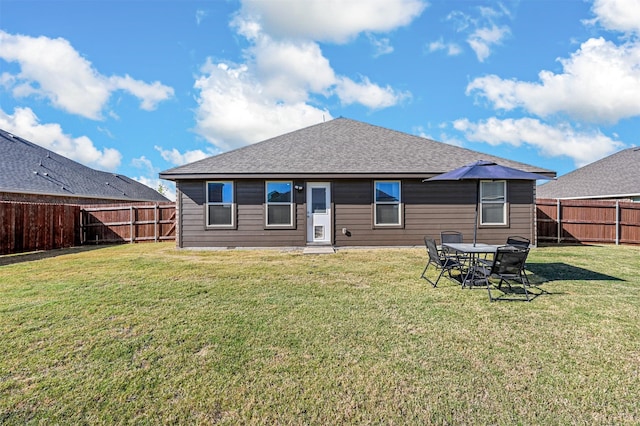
x=25, y=124
x=382, y=46
x=53, y=69
x=368, y=94
x=273, y=91
x=289, y=70
x=618, y=15
x=151, y=178
x=168, y=188
x=144, y=163
x=233, y=111
x=332, y=21
x=452, y=48
x=178, y=158
x=600, y=83
x=444, y=137
x=562, y=140
x=482, y=39
x=200, y=15
x=483, y=34
x=150, y=95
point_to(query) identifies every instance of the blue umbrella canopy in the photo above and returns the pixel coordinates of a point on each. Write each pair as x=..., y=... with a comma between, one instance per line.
x=486, y=170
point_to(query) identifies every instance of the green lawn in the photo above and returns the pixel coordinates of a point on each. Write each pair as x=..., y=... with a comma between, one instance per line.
x=147, y=334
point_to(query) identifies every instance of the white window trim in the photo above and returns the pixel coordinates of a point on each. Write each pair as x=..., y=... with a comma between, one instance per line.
x=268, y=203
x=375, y=204
x=504, y=205
x=232, y=204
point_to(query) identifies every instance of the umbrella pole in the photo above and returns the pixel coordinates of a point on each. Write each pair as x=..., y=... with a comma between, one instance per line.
x=475, y=221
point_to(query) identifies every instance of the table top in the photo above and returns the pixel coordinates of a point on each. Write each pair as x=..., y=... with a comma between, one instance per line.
x=472, y=248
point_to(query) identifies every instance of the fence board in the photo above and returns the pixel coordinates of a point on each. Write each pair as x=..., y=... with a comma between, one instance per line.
x=597, y=221
x=40, y=226
x=128, y=223
x=33, y=226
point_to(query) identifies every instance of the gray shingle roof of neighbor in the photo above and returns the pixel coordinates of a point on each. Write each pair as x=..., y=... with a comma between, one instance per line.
x=340, y=147
x=615, y=176
x=31, y=169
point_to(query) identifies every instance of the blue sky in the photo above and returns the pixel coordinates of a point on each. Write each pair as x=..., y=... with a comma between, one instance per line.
x=137, y=87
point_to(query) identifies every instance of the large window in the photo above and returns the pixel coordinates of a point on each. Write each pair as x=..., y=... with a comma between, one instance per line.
x=493, y=201
x=279, y=203
x=387, y=203
x=220, y=206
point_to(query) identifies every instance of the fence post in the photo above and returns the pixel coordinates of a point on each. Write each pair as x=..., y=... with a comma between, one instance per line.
x=132, y=226
x=617, y=222
x=81, y=226
x=155, y=222
x=558, y=213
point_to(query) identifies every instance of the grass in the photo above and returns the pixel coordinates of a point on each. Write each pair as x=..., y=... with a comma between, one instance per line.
x=148, y=334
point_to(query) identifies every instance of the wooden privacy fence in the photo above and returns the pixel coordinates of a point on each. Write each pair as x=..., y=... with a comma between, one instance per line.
x=30, y=226
x=588, y=221
x=38, y=226
x=127, y=223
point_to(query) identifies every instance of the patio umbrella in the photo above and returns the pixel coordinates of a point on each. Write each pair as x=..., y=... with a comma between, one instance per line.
x=485, y=170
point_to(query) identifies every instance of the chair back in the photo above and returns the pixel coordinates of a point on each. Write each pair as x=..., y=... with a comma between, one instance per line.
x=450, y=237
x=432, y=249
x=509, y=261
x=516, y=241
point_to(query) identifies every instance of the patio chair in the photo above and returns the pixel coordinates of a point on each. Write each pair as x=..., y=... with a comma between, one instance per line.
x=452, y=237
x=440, y=262
x=508, y=267
x=517, y=241
x=520, y=242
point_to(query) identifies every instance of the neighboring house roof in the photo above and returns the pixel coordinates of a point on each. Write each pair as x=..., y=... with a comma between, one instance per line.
x=339, y=148
x=28, y=168
x=615, y=176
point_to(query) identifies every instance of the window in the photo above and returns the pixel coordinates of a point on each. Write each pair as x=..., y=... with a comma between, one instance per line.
x=279, y=204
x=493, y=201
x=220, y=206
x=387, y=209
x=319, y=200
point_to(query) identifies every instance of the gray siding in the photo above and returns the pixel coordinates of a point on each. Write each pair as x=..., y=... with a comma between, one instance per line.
x=250, y=219
x=428, y=208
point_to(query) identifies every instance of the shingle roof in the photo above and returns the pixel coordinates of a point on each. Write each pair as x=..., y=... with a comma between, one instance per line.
x=31, y=169
x=340, y=147
x=615, y=176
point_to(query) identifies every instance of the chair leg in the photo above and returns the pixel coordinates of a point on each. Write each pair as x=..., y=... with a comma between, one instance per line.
x=426, y=278
x=525, y=284
x=425, y=270
x=517, y=280
x=491, y=299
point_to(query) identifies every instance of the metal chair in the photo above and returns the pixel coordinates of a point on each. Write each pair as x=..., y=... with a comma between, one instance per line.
x=508, y=267
x=443, y=263
x=517, y=241
x=452, y=237
x=520, y=242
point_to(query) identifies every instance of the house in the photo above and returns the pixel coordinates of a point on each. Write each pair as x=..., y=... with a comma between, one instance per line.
x=342, y=183
x=31, y=173
x=615, y=177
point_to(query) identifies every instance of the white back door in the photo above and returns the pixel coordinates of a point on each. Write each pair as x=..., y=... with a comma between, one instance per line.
x=319, y=212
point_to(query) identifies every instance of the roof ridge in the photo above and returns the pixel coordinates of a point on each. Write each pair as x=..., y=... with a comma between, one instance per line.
x=342, y=146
